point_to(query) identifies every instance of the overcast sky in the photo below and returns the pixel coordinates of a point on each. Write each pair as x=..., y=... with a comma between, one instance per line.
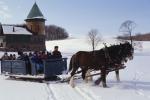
x=80, y=16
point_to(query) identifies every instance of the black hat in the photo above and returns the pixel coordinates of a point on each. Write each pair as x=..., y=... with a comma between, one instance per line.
x=56, y=47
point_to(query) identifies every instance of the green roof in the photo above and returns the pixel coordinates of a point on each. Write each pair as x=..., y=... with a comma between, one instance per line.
x=35, y=12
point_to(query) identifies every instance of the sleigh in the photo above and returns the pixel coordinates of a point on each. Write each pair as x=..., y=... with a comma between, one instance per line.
x=18, y=69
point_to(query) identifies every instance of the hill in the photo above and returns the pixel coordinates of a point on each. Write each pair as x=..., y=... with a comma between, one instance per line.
x=138, y=37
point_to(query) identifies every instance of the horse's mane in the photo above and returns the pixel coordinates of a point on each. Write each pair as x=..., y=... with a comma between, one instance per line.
x=117, y=53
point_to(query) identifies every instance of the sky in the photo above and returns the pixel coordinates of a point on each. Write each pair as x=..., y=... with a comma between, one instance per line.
x=78, y=17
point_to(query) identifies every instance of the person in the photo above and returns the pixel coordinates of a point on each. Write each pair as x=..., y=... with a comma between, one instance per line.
x=21, y=56
x=27, y=62
x=49, y=55
x=36, y=58
x=30, y=54
x=14, y=57
x=11, y=57
x=5, y=56
x=43, y=55
x=56, y=53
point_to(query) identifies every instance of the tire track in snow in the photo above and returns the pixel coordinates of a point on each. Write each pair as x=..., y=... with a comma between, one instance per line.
x=49, y=93
x=86, y=94
x=65, y=92
x=138, y=91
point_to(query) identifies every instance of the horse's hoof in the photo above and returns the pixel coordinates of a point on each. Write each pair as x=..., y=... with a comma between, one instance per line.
x=97, y=82
x=73, y=85
x=105, y=86
x=118, y=80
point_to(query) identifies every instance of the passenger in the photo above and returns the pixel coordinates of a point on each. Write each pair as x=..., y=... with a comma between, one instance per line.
x=43, y=56
x=38, y=61
x=40, y=65
x=5, y=56
x=26, y=57
x=56, y=53
x=34, y=57
x=11, y=57
x=30, y=54
x=14, y=57
x=28, y=64
x=21, y=56
x=49, y=55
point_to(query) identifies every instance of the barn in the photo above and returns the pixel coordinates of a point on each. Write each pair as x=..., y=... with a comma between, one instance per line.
x=27, y=37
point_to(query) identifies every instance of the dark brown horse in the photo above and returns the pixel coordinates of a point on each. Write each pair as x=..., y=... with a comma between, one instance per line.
x=101, y=59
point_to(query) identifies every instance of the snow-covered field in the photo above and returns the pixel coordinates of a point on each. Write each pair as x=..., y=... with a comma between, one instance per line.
x=134, y=85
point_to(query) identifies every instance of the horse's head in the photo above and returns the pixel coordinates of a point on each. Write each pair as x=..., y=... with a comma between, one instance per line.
x=128, y=51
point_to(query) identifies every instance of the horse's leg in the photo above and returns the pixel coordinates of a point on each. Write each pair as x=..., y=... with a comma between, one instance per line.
x=104, y=80
x=71, y=79
x=87, y=76
x=117, y=75
x=103, y=75
x=83, y=73
x=71, y=82
x=97, y=82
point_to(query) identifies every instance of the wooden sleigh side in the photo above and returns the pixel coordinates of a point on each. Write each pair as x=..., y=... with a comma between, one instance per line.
x=17, y=69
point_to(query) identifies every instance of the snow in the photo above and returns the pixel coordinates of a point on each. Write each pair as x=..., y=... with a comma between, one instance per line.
x=37, y=17
x=12, y=90
x=72, y=45
x=40, y=17
x=17, y=30
x=134, y=85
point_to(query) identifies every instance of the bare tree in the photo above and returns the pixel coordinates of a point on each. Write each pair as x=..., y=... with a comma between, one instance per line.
x=94, y=38
x=127, y=28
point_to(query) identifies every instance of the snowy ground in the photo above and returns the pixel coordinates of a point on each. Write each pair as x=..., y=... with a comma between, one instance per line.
x=134, y=85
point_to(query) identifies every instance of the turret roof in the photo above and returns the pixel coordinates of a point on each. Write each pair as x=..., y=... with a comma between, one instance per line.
x=35, y=13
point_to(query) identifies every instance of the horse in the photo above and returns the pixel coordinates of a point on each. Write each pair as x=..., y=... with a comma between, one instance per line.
x=101, y=59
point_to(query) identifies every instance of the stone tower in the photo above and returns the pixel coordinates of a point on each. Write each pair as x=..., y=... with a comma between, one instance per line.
x=35, y=21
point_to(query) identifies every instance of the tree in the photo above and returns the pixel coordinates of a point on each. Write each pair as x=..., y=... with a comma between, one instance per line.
x=127, y=28
x=54, y=32
x=94, y=38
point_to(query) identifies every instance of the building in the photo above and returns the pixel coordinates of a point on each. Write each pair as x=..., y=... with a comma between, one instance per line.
x=30, y=36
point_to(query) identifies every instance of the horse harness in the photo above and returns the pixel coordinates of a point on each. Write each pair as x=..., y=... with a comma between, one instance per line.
x=107, y=56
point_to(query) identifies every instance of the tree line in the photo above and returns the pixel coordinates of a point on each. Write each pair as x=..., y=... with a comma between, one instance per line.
x=54, y=32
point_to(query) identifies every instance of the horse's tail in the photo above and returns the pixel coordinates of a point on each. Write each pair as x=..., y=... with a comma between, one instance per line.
x=70, y=64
